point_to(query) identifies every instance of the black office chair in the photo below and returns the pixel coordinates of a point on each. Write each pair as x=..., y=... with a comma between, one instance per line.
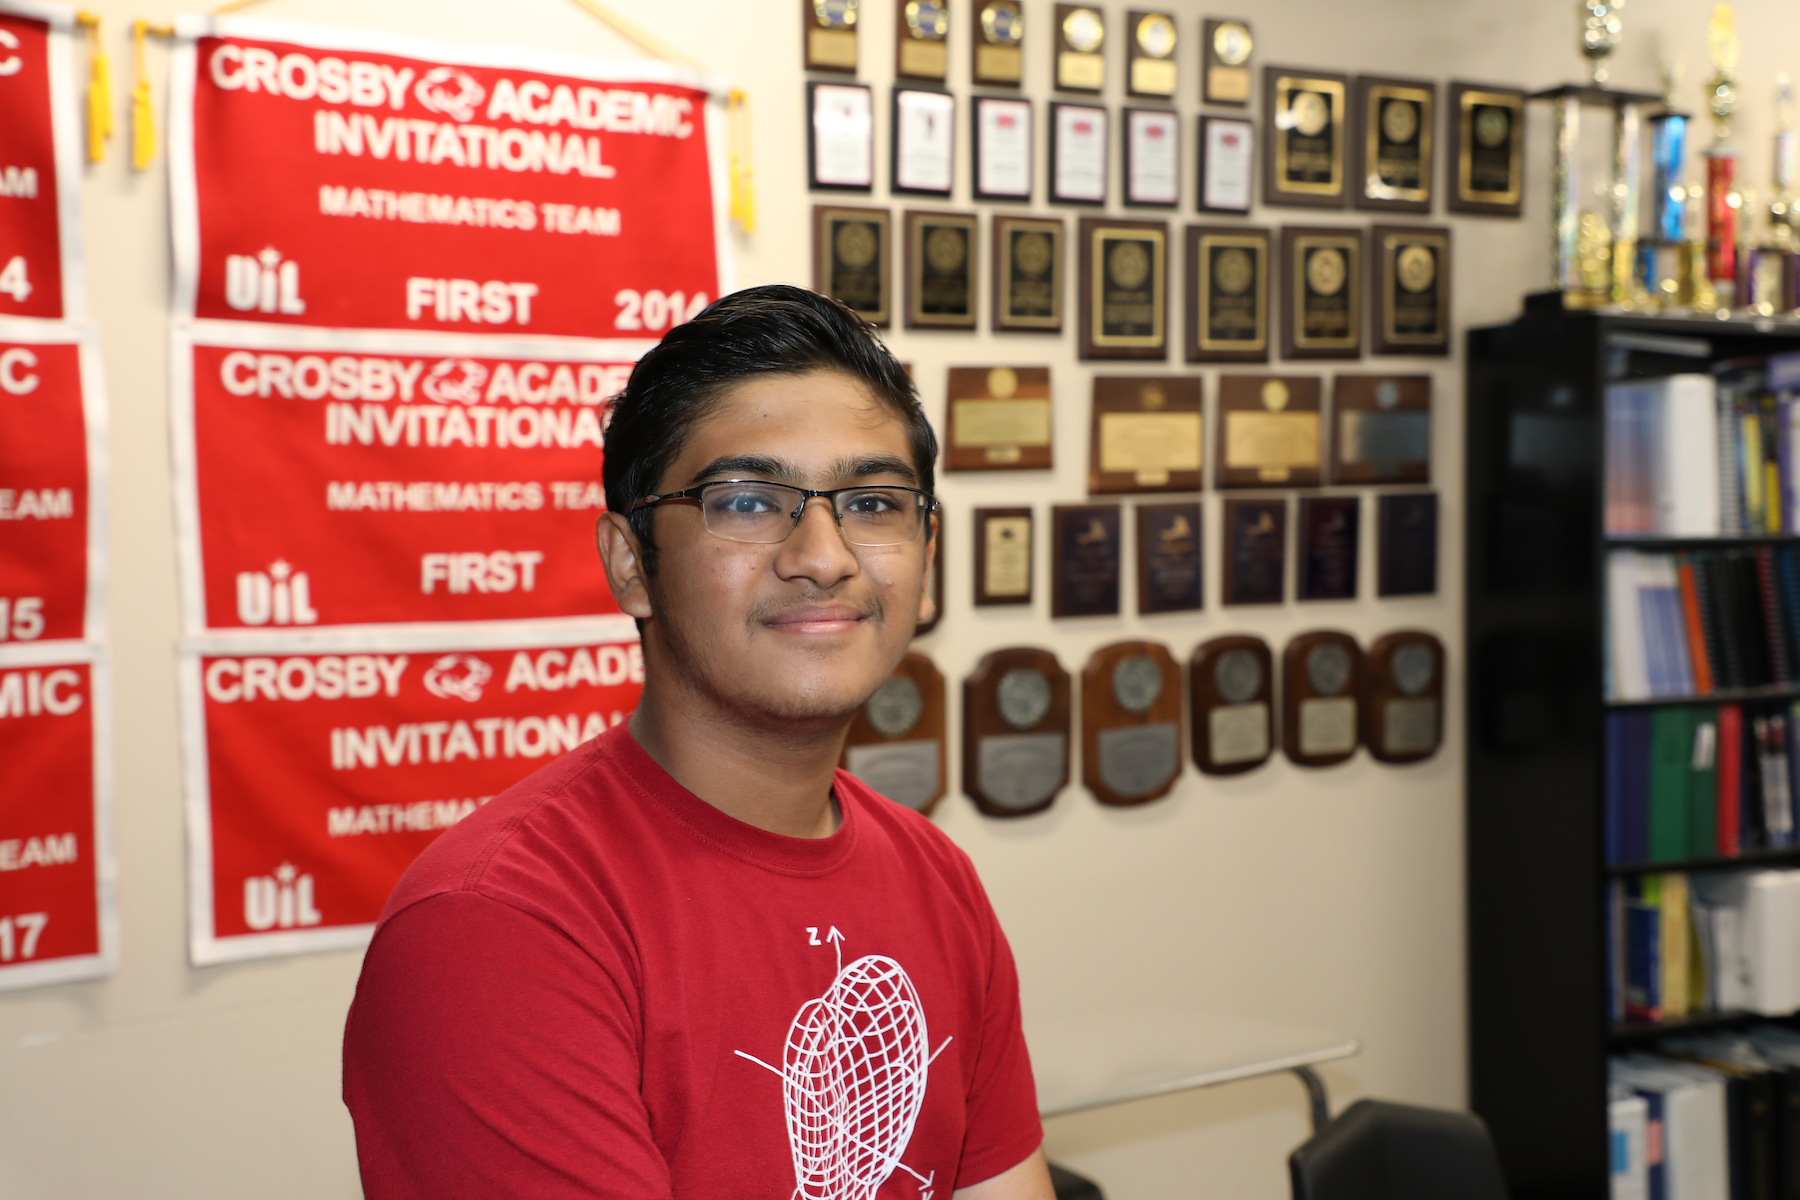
x=1375, y=1150
x=1070, y=1186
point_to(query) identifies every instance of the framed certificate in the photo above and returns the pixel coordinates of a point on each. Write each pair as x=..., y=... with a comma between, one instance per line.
x=1028, y=274
x=1486, y=156
x=1152, y=157
x=1321, y=300
x=1124, y=289
x=895, y=743
x=1080, y=31
x=830, y=35
x=1228, y=277
x=1150, y=55
x=1270, y=432
x=999, y=419
x=1077, y=153
x=1085, y=556
x=1002, y=556
x=840, y=144
x=1255, y=552
x=1168, y=557
x=1326, y=558
x=924, y=141
x=921, y=39
x=1146, y=434
x=998, y=43
x=1227, y=164
x=1002, y=148
x=1381, y=431
x=1409, y=289
x=1225, y=47
x=941, y=255
x=1392, y=123
x=1304, y=130
x=852, y=251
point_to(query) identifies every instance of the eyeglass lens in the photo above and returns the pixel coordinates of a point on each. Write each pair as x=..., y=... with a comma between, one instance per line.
x=764, y=512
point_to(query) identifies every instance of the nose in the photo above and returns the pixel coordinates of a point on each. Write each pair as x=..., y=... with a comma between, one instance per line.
x=816, y=550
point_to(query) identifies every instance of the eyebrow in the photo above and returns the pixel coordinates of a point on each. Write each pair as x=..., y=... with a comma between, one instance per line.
x=756, y=466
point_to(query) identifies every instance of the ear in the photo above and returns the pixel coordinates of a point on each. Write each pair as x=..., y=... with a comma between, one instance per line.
x=623, y=558
x=927, y=599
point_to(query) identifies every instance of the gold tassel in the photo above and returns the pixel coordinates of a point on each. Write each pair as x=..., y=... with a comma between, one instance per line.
x=99, y=89
x=742, y=170
x=143, y=117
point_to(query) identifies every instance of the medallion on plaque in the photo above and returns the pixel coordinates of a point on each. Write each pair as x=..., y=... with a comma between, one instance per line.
x=1145, y=434
x=1231, y=694
x=1486, y=150
x=1085, y=556
x=840, y=138
x=921, y=47
x=896, y=740
x=850, y=259
x=1406, y=544
x=1383, y=429
x=1028, y=274
x=1255, y=551
x=1321, y=679
x=1168, y=557
x=830, y=35
x=1304, y=131
x=1015, y=731
x=1225, y=70
x=1130, y=722
x=941, y=257
x=1002, y=556
x=1321, y=310
x=1003, y=143
x=998, y=43
x=1124, y=289
x=1227, y=293
x=1403, y=713
x=1080, y=29
x=1151, y=55
x=1326, y=557
x=1271, y=432
x=999, y=419
x=1391, y=122
x=1227, y=164
x=1410, y=290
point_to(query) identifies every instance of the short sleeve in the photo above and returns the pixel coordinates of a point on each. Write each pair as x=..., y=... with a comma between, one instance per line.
x=1003, y=1127
x=487, y=1055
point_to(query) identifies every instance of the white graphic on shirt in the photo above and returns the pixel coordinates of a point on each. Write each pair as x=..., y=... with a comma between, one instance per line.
x=853, y=1079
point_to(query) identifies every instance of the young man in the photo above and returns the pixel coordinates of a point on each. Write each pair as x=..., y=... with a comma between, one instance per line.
x=692, y=958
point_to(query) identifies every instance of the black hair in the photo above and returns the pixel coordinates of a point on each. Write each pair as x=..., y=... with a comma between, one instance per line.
x=775, y=329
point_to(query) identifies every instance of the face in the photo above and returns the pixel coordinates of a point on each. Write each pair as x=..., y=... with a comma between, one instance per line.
x=804, y=629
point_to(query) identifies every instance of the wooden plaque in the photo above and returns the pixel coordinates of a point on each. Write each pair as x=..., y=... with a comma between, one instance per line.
x=1406, y=544
x=1150, y=54
x=852, y=259
x=1085, y=557
x=942, y=253
x=1228, y=278
x=922, y=39
x=1231, y=704
x=1321, y=292
x=998, y=419
x=1409, y=289
x=1403, y=708
x=1270, y=432
x=1255, y=552
x=896, y=742
x=1124, y=288
x=1015, y=731
x=1028, y=274
x=1485, y=162
x=1130, y=723
x=1080, y=34
x=1305, y=127
x=997, y=43
x=1145, y=434
x=1325, y=556
x=1168, y=557
x=1321, y=683
x=828, y=35
x=1225, y=47
x=1381, y=429
x=1003, y=556
x=1392, y=123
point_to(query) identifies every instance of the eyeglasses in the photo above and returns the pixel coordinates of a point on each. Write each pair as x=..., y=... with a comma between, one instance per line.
x=750, y=510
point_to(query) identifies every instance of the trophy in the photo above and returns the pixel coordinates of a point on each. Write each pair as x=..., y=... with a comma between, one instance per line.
x=1659, y=255
x=1769, y=267
x=1722, y=198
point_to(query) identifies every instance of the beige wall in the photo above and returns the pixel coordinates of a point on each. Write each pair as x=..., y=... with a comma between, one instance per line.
x=1329, y=898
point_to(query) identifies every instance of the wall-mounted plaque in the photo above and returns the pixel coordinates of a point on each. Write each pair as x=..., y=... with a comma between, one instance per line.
x=1130, y=722
x=1080, y=30
x=1270, y=433
x=1077, y=153
x=1124, y=288
x=1325, y=557
x=1028, y=274
x=1255, y=554
x=1152, y=164
x=1146, y=434
x=1002, y=556
x=934, y=579
x=921, y=40
x=1227, y=280
x=1391, y=143
x=1486, y=159
x=1382, y=431
x=1409, y=289
x=1231, y=695
x=998, y=43
x=1168, y=557
x=830, y=35
x=896, y=740
x=941, y=258
x=1150, y=55
x=1321, y=294
x=840, y=139
x=1227, y=164
x=999, y=419
x=1085, y=555
x=1015, y=731
x=924, y=142
x=1002, y=144
x=1225, y=47
x=851, y=259
x=1403, y=711
x=1406, y=544
x=1304, y=130
x=1321, y=681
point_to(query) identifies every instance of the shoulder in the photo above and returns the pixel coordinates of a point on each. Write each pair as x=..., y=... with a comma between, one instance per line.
x=912, y=837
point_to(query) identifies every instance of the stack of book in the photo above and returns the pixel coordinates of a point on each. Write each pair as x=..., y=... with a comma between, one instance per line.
x=1682, y=944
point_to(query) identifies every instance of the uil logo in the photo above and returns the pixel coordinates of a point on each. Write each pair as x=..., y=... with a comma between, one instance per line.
x=283, y=900
x=278, y=596
x=451, y=92
x=458, y=677
x=456, y=381
x=263, y=283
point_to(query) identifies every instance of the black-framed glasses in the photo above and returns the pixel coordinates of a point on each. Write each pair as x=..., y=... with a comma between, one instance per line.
x=753, y=510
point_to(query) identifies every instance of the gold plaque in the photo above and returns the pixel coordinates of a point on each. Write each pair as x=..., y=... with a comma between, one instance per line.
x=999, y=419
x=1393, y=122
x=1225, y=74
x=1080, y=30
x=921, y=46
x=1412, y=290
x=1152, y=54
x=851, y=259
x=1322, y=277
x=1487, y=143
x=1028, y=273
x=1269, y=431
x=1228, y=294
x=1003, y=554
x=1146, y=434
x=1124, y=282
x=1304, y=132
x=998, y=42
x=830, y=35
x=941, y=256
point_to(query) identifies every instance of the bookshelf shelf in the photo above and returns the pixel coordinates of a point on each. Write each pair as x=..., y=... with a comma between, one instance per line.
x=1720, y=540
x=1624, y=1034
x=1719, y=696
x=1742, y=862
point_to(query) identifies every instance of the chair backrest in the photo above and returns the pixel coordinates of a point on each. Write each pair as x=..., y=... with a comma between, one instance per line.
x=1375, y=1150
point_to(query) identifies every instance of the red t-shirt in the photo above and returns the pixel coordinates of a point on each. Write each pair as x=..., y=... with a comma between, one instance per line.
x=601, y=986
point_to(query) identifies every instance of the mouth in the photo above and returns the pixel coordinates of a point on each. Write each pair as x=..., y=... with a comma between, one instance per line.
x=816, y=620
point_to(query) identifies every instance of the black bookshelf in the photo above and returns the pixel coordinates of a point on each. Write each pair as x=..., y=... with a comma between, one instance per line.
x=1539, y=1031
x=1739, y=862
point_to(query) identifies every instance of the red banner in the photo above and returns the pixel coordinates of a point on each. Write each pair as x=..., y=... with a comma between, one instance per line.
x=324, y=775
x=36, y=99
x=332, y=179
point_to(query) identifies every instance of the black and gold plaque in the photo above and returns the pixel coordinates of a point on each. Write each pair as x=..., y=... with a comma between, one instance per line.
x=1002, y=556
x=998, y=42
x=1381, y=430
x=1146, y=434
x=1255, y=552
x=941, y=257
x=1080, y=32
x=1085, y=555
x=1168, y=557
x=1227, y=280
x=1325, y=558
x=1392, y=123
x=1406, y=544
x=1028, y=274
x=1403, y=710
x=830, y=37
x=1231, y=704
x=922, y=39
x=1305, y=128
x=1270, y=432
x=1409, y=289
x=1321, y=682
x=1150, y=55
x=851, y=259
x=896, y=740
x=1225, y=46
x=1486, y=156
x=1130, y=722
x=999, y=419
x=1016, y=719
x=1321, y=293
x=1124, y=288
